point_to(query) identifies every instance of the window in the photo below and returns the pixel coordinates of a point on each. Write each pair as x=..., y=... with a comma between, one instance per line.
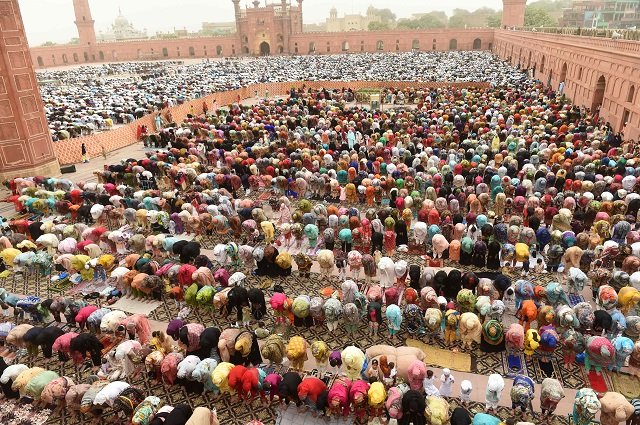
x=233, y=49
x=453, y=44
x=632, y=92
x=192, y=51
x=280, y=49
x=328, y=46
x=280, y=38
x=86, y=57
x=295, y=47
x=397, y=45
x=64, y=58
x=345, y=46
x=415, y=45
x=219, y=50
x=477, y=44
x=165, y=52
x=379, y=45
x=40, y=61
x=362, y=46
x=75, y=57
x=312, y=47
x=178, y=50
x=53, y=59
x=434, y=45
x=580, y=73
x=101, y=55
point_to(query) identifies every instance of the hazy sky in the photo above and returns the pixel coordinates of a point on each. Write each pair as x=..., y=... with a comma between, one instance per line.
x=52, y=20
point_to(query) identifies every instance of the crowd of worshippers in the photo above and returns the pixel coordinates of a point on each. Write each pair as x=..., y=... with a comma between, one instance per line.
x=99, y=97
x=486, y=177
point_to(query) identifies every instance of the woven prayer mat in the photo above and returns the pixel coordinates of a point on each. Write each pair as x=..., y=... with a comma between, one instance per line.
x=599, y=383
x=513, y=365
x=627, y=385
x=575, y=299
x=442, y=358
x=545, y=369
x=135, y=306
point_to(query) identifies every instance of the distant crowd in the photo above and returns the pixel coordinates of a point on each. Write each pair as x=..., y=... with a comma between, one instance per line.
x=90, y=98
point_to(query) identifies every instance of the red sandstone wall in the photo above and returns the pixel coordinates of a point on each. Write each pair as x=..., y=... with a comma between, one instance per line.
x=201, y=47
x=581, y=62
x=68, y=151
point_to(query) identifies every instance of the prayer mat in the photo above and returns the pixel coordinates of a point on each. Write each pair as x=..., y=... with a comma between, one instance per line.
x=442, y=358
x=627, y=385
x=575, y=299
x=88, y=287
x=136, y=306
x=547, y=369
x=597, y=382
x=514, y=365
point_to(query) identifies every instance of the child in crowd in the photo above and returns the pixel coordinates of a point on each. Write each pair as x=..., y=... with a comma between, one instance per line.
x=428, y=384
x=446, y=384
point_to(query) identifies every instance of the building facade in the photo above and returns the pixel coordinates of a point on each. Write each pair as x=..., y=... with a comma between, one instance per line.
x=350, y=22
x=620, y=14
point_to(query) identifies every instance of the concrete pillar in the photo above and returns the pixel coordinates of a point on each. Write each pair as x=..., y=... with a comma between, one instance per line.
x=26, y=148
x=513, y=13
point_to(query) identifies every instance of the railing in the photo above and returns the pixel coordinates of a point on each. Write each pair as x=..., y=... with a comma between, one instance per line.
x=589, y=41
x=624, y=34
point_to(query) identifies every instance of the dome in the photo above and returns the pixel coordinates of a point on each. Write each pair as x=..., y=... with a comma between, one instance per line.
x=121, y=21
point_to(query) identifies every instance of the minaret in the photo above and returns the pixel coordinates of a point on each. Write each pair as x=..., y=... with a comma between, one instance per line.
x=236, y=8
x=25, y=143
x=84, y=22
x=513, y=13
x=301, y=25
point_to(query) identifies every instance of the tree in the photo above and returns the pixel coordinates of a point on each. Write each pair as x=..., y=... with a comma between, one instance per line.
x=537, y=17
x=49, y=43
x=378, y=26
x=430, y=20
x=459, y=19
x=494, y=21
x=386, y=15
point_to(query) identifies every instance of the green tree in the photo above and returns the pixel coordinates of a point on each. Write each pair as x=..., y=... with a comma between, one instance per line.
x=495, y=20
x=432, y=20
x=386, y=15
x=378, y=26
x=49, y=43
x=537, y=17
x=459, y=19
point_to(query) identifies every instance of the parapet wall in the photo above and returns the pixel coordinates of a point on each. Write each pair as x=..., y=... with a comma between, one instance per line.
x=69, y=151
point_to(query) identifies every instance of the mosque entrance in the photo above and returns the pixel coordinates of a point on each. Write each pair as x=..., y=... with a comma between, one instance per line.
x=265, y=49
x=598, y=94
